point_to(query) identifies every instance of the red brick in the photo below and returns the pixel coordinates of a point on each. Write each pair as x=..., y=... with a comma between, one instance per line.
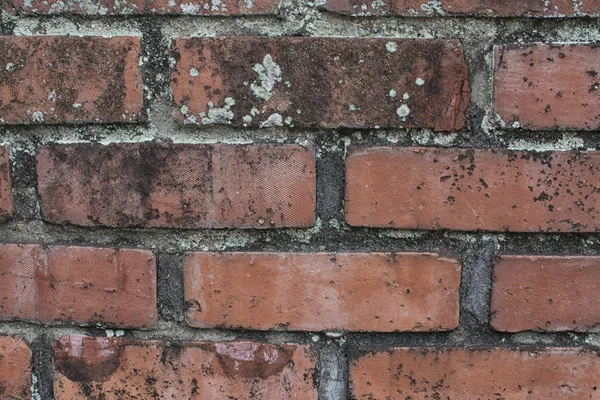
x=177, y=186
x=87, y=367
x=324, y=82
x=463, y=373
x=542, y=86
x=15, y=369
x=81, y=285
x=6, y=200
x=315, y=292
x=65, y=79
x=467, y=189
x=489, y=8
x=546, y=293
x=141, y=7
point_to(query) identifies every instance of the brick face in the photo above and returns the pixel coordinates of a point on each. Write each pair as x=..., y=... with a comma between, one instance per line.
x=144, y=7
x=542, y=86
x=485, y=8
x=463, y=373
x=100, y=368
x=178, y=186
x=473, y=189
x=6, y=200
x=546, y=293
x=62, y=79
x=313, y=292
x=325, y=82
x=15, y=369
x=80, y=285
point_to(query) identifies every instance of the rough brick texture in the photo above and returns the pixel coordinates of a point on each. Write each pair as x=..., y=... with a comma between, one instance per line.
x=551, y=293
x=326, y=82
x=60, y=79
x=314, y=292
x=543, y=86
x=87, y=367
x=15, y=369
x=473, y=189
x=137, y=7
x=485, y=8
x=80, y=285
x=6, y=199
x=178, y=186
x=462, y=373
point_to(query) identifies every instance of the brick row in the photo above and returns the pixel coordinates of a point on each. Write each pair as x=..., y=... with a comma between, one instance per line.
x=143, y=7
x=370, y=292
x=100, y=367
x=483, y=8
x=297, y=82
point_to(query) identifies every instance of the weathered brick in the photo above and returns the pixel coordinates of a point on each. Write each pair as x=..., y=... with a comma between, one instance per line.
x=467, y=373
x=325, y=82
x=315, y=292
x=546, y=293
x=88, y=367
x=486, y=8
x=81, y=285
x=6, y=199
x=178, y=185
x=543, y=86
x=65, y=79
x=15, y=369
x=140, y=7
x=470, y=189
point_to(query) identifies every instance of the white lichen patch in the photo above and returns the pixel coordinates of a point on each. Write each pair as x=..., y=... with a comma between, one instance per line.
x=194, y=72
x=419, y=81
x=273, y=120
x=269, y=74
x=189, y=8
x=392, y=93
x=403, y=111
x=433, y=7
x=406, y=96
x=219, y=115
x=37, y=117
x=392, y=47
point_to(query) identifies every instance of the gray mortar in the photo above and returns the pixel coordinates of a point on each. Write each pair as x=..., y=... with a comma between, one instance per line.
x=476, y=250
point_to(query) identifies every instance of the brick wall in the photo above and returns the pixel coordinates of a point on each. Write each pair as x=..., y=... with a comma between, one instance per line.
x=285, y=199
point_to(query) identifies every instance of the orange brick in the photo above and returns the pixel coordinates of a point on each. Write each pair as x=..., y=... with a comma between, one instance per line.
x=345, y=291
x=546, y=293
x=126, y=369
x=66, y=79
x=543, y=86
x=463, y=373
x=81, y=285
x=15, y=369
x=473, y=189
x=178, y=185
